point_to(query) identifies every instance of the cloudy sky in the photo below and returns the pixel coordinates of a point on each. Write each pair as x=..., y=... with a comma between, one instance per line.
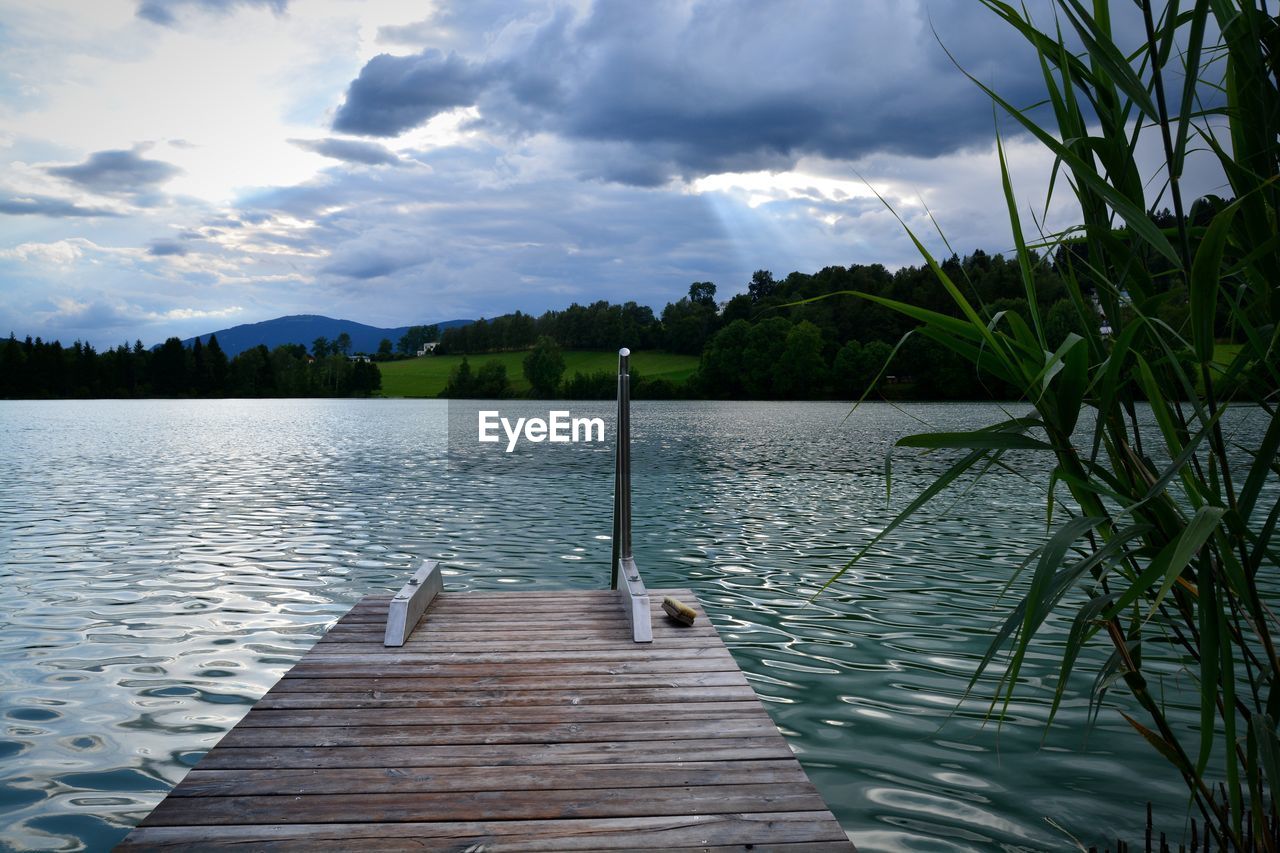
x=178, y=166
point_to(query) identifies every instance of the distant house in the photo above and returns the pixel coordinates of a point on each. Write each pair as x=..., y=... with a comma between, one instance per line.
x=427, y=348
x=359, y=357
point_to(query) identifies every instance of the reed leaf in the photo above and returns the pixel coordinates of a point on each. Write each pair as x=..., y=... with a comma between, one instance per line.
x=1186, y=546
x=1173, y=554
x=1162, y=746
x=1210, y=658
x=1206, y=271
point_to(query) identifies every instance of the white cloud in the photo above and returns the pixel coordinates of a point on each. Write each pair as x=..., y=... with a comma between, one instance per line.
x=229, y=88
x=68, y=251
x=193, y=314
x=107, y=312
x=60, y=253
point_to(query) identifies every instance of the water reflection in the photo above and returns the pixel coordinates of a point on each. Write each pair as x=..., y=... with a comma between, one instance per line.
x=164, y=562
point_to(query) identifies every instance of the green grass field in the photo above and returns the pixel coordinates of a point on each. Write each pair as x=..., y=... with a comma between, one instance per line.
x=426, y=376
x=1224, y=353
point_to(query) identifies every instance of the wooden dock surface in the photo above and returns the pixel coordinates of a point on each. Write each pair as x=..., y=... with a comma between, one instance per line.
x=508, y=721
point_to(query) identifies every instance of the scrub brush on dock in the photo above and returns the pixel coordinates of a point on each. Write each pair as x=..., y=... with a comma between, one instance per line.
x=679, y=611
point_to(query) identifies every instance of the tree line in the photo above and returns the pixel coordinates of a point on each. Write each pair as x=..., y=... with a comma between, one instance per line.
x=595, y=326
x=40, y=369
x=797, y=338
x=801, y=337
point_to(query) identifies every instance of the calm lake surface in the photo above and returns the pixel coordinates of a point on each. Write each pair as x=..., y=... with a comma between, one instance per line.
x=162, y=563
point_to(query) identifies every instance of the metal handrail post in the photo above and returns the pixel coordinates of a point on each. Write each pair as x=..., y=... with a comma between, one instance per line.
x=625, y=577
x=622, y=469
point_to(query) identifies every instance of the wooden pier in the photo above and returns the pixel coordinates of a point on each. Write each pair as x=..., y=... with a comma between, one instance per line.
x=506, y=721
x=482, y=722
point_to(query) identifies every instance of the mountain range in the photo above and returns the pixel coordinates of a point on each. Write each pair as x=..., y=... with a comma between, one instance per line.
x=303, y=329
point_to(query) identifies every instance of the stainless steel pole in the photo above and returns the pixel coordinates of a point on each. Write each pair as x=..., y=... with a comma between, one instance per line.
x=622, y=469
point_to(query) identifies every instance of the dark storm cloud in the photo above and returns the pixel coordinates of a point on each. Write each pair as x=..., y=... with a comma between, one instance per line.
x=350, y=151
x=40, y=205
x=486, y=227
x=417, y=33
x=163, y=248
x=657, y=90
x=395, y=93
x=452, y=241
x=375, y=262
x=460, y=26
x=117, y=173
x=165, y=12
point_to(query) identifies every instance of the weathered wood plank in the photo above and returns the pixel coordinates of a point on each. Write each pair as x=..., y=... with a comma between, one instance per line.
x=576, y=627
x=547, y=638
x=518, y=656
x=537, y=620
x=441, y=683
x=496, y=755
x=507, y=596
x=501, y=845
x=798, y=847
x=502, y=698
x=484, y=805
x=566, y=713
x=243, y=735
x=497, y=645
x=503, y=619
x=400, y=668
x=673, y=773
x=577, y=600
x=650, y=833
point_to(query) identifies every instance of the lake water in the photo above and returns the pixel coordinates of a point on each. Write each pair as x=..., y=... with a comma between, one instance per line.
x=162, y=563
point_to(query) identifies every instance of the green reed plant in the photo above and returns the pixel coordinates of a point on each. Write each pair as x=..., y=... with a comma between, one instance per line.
x=1168, y=537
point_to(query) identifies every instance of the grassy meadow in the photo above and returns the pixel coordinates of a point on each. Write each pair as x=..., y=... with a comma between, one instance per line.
x=426, y=376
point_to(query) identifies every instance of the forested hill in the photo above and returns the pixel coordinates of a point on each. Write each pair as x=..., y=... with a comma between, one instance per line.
x=305, y=329
x=779, y=340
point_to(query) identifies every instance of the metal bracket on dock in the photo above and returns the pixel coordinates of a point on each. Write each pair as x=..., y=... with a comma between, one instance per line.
x=635, y=601
x=411, y=602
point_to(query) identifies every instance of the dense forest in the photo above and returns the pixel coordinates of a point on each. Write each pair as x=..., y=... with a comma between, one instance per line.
x=781, y=339
x=772, y=342
x=43, y=370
